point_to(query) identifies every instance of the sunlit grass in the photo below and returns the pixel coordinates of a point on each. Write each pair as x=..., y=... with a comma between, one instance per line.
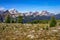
x=18, y=31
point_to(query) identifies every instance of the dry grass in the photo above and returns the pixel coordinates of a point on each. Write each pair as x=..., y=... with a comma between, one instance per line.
x=15, y=31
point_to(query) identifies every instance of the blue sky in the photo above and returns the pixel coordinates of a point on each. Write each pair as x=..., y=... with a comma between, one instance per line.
x=32, y=5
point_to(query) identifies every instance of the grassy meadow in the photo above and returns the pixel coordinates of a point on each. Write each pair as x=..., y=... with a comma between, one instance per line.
x=18, y=31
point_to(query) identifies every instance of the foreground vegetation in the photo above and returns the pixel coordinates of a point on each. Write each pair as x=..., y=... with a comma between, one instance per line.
x=35, y=30
x=17, y=31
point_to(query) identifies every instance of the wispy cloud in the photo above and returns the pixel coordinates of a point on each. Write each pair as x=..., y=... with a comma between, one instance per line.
x=2, y=8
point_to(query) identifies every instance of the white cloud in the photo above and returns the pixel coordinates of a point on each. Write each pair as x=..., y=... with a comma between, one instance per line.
x=2, y=8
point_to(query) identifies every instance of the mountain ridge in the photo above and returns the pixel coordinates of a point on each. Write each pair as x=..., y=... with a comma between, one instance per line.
x=29, y=16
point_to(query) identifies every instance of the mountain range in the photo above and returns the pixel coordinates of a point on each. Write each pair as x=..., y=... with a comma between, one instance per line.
x=14, y=11
x=28, y=16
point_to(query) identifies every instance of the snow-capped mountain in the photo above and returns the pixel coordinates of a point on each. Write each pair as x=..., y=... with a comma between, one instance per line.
x=43, y=13
x=28, y=13
x=46, y=13
x=31, y=13
x=13, y=11
x=36, y=13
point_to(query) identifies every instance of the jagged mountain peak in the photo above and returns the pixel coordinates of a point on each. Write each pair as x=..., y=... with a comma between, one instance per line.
x=46, y=13
x=13, y=11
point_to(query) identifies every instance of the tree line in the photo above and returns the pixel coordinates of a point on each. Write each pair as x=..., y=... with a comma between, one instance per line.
x=52, y=22
x=9, y=19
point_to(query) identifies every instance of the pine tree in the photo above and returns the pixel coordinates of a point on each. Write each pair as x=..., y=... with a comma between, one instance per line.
x=53, y=22
x=7, y=19
x=20, y=19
